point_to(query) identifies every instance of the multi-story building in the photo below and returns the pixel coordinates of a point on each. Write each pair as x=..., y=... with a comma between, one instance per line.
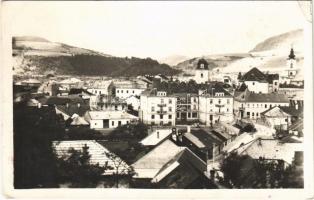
x=107, y=103
x=124, y=90
x=215, y=104
x=250, y=105
x=101, y=88
x=157, y=108
x=202, y=72
x=258, y=82
x=187, y=107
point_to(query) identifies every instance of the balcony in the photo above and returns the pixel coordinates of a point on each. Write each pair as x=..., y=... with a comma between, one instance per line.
x=219, y=105
x=162, y=112
x=161, y=105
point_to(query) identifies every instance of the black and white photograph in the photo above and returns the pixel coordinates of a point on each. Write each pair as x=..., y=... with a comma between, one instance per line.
x=158, y=95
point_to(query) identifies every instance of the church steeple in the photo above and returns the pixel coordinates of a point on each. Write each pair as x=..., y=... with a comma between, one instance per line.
x=291, y=55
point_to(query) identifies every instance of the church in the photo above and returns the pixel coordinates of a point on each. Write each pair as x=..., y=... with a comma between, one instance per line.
x=202, y=72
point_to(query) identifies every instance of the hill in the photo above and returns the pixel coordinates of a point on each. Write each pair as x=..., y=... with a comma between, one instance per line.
x=35, y=55
x=268, y=55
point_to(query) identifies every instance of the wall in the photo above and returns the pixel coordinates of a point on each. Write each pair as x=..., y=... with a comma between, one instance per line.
x=257, y=87
x=200, y=79
x=94, y=124
x=124, y=93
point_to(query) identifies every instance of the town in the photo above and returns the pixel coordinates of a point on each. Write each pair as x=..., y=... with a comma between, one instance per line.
x=212, y=129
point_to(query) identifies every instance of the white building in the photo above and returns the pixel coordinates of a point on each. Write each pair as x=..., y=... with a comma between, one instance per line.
x=276, y=118
x=124, y=90
x=202, y=72
x=215, y=104
x=157, y=108
x=250, y=105
x=107, y=103
x=291, y=70
x=258, y=82
x=101, y=88
x=109, y=119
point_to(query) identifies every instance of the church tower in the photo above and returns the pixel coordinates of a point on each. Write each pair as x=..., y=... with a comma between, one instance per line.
x=202, y=72
x=291, y=64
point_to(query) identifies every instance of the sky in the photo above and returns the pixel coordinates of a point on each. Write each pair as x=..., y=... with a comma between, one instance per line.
x=154, y=29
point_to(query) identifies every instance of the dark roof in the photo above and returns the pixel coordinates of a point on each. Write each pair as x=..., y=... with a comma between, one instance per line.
x=79, y=91
x=74, y=109
x=254, y=75
x=291, y=55
x=190, y=168
x=271, y=77
x=297, y=125
x=202, y=64
x=206, y=137
x=248, y=96
x=216, y=88
x=291, y=110
x=63, y=100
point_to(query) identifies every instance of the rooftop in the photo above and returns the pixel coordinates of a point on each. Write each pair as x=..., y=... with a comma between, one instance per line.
x=73, y=109
x=156, y=137
x=248, y=96
x=110, y=115
x=97, y=154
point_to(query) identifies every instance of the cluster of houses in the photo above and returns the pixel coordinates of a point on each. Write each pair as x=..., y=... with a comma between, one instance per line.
x=191, y=133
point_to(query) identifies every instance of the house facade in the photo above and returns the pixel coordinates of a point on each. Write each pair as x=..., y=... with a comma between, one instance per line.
x=157, y=108
x=250, y=105
x=215, y=105
x=124, y=90
x=187, y=107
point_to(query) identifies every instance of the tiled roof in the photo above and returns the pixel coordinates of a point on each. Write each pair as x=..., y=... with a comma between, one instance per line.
x=248, y=96
x=254, y=75
x=216, y=88
x=96, y=151
x=271, y=149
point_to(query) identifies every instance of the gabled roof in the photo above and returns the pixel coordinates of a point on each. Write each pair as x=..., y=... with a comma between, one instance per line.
x=212, y=89
x=276, y=111
x=150, y=164
x=248, y=96
x=79, y=91
x=202, y=64
x=63, y=100
x=254, y=75
x=97, y=154
x=203, y=138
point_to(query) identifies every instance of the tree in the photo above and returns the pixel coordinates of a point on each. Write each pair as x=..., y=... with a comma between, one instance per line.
x=34, y=130
x=77, y=170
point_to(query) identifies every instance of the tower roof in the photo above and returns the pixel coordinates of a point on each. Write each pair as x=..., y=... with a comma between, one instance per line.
x=291, y=55
x=202, y=64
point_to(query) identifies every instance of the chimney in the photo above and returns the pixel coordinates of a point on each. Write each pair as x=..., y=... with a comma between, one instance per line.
x=78, y=105
x=188, y=129
x=157, y=134
x=67, y=105
x=296, y=106
x=39, y=105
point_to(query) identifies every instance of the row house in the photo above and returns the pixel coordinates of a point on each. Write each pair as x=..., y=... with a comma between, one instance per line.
x=187, y=107
x=250, y=105
x=157, y=108
x=258, y=82
x=215, y=105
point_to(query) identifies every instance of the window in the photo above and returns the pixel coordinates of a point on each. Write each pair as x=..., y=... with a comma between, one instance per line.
x=117, y=91
x=170, y=109
x=211, y=101
x=112, y=123
x=133, y=91
x=265, y=105
x=253, y=83
x=256, y=114
x=228, y=101
x=153, y=116
x=194, y=100
x=252, y=114
x=170, y=116
x=189, y=115
x=194, y=107
x=119, y=123
x=275, y=83
x=219, y=101
x=153, y=108
x=178, y=115
x=127, y=91
x=194, y=115
x=161, y=116
x=121, y=91
x=162, y=100
x=201, y=75
x=170, y=101
x=99, y=92
x=227, y=109
x=116, y=107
